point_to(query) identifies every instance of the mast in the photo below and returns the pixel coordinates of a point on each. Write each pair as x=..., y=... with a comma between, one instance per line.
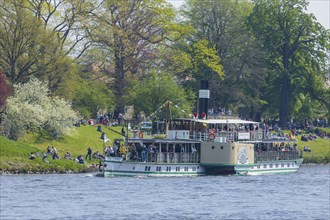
x=168, y=117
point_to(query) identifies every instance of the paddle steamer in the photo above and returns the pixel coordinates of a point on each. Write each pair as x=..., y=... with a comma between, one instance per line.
x=204, y=145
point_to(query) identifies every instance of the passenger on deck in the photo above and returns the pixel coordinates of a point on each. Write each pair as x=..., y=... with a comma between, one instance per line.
x=122, y=150
x=144, y=153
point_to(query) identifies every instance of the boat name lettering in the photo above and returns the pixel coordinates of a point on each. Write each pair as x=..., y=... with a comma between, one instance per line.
x=244, y=136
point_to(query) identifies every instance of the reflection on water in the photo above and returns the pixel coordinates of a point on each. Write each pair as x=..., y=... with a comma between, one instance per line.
x=304, y=195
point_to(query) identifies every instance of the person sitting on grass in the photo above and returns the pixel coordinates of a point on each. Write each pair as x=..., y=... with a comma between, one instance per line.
x=32, y=156
x=307, y=149
x=67, y=156
x=49, y=150
x=80, y=159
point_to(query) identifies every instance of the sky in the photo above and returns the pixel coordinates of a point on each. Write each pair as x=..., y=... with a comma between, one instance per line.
x=320, y=8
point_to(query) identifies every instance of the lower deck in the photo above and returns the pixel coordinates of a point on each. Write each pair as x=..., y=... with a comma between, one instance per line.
x=117, y=167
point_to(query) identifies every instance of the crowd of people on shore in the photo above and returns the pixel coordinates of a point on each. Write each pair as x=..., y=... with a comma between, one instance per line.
x=53, y=153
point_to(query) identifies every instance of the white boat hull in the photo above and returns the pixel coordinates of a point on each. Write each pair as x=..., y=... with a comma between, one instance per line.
x=118, y=167
x=131, y=168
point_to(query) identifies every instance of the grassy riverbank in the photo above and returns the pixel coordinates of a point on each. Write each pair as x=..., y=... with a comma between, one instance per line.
x=14, y=155
x=320, y=149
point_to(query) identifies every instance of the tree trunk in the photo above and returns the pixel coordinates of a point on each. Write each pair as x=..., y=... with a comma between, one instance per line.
x=285, y=97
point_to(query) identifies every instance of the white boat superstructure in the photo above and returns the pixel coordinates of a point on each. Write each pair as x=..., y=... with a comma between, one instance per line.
x=206, y=147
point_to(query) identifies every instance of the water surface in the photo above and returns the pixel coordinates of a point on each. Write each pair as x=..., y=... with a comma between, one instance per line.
x=305, y=195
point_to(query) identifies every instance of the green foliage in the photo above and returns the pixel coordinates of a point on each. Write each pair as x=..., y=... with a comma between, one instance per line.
x=32, y=109
x=34, y=40
x=296, y=49
x=206, y=57
x=158, y=88
x=92, y=97
x=128, y=33
x=222, y=23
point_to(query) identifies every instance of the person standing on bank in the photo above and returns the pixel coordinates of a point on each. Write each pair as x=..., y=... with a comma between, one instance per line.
x=55, y=155
x=123, y=132
x=89, y=153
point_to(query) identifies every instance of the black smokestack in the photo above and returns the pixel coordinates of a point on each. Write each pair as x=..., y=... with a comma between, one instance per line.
x=204, y=95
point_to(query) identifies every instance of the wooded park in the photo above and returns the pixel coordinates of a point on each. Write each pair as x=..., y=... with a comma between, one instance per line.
x=64, y=60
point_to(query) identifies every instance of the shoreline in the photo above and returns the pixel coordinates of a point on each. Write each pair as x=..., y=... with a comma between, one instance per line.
x=96, y=171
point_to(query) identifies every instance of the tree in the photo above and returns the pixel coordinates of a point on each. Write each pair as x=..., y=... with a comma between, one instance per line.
x=37, y=37
x=297, y=48
x=92, y=97
x=20, y=41
x=222, y=24
x=129, y=32
x=155, y=90
x=31, y=108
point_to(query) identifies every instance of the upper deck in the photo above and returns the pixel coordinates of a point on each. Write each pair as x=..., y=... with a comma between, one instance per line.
x=225, y=129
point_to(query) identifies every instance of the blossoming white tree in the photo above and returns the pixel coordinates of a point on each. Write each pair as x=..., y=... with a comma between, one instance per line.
x=31, y=108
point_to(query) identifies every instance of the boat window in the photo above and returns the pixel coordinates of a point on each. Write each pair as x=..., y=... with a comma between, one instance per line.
x=149, y=168
x=146, y=168
x=288, y=165
x=265, y=165
x=276, y=165
x=270, y=165
x=194, y=169
x=282, y=164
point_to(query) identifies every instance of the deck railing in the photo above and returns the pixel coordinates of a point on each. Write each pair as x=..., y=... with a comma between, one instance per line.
x=166, y=157
x=236, y=136
x=277, y=155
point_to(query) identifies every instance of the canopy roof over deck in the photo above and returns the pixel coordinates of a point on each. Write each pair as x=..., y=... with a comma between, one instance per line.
x=225, y=121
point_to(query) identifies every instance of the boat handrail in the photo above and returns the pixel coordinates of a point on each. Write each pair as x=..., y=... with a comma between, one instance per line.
x=162, y=157
x=238, y=136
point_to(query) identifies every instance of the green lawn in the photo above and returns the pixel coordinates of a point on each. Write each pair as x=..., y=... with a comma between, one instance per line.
x=84, y=137
x=14, y=155
x=320, y=149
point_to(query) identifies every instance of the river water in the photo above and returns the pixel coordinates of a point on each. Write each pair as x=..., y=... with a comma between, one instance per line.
x=304, y=195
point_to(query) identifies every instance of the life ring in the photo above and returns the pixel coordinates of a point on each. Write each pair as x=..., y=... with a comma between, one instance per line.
x=141, y=134
x=211, y=136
